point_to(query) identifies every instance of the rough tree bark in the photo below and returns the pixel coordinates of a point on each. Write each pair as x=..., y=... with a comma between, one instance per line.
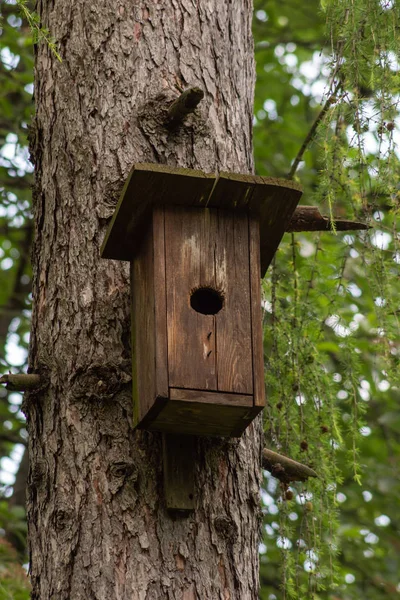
x=97, y=522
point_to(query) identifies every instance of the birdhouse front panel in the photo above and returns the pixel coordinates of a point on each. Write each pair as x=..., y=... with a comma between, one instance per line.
x=194, y=245
x=208, y=300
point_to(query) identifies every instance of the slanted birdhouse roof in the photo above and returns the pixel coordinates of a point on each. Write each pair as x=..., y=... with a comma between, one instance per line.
x=272, y=200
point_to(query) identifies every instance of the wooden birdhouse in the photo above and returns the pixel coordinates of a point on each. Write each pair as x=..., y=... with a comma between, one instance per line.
x=198, y=245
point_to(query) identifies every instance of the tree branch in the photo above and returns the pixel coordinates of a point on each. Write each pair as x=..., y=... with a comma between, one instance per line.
x=308, y=218
x=185, y=104
x=312, y=132
x=285, y=469
x=20, y=382
x=12, y=438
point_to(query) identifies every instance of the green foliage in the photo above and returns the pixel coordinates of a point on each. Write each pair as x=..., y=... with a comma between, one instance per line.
x=14, y=584
x=39, y=33
x=331, y=321
x=16, y=85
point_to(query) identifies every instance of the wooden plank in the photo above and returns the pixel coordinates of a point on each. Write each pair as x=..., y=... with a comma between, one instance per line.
x=150, y=184
x=232, y=276
x=152, y=414
x=274, y=207
x=179, y=455
x=231, y=190
x=160, y=315
x=238, y=190
x=256, y=314
x=143, y=334
x=134, y=350
x=203, y=418
x=190, y=238
x=211, y=397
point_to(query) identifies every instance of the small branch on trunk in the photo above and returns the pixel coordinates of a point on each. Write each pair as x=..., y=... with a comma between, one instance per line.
x=20, y=382
x=12, y=438
x=285, y=469
x=185, y=104
x=308, y=218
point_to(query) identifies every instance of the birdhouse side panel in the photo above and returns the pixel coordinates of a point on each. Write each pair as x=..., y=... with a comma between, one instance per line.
x=148, y=377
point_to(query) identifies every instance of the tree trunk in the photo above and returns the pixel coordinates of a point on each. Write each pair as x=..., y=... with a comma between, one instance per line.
x=98, y=524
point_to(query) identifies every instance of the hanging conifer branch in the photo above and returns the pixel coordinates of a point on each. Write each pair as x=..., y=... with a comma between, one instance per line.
x=310, y=135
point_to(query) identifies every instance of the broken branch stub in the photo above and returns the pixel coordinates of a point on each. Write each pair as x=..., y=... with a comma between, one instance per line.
x=309, y=218
x=20, y=382
x=185, y=104
x=285, y=469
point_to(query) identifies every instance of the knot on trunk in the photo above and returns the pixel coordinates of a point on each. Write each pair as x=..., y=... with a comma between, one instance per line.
x=226, y=528
x=164, y=130
x=119, y=473
x=99, y=382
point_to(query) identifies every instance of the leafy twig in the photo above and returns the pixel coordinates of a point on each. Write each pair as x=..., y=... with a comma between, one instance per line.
x=39, y=33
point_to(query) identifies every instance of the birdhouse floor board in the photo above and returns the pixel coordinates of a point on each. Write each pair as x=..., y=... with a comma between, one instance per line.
x=201, y=418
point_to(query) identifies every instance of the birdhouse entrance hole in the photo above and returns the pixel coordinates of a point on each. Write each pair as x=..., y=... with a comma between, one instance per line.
x=206, y=301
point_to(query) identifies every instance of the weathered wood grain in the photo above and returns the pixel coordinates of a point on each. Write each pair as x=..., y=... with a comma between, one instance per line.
x=190, y=417
x=143, y=329
x=231, y=190
x=211, y=397
x=149, y=184
x=256, y=315
x=274, y=207
x=160, y=303
x=233, y=323
x=273, y=200
x=189, y=240
x=208, y=248
x=179, y=454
